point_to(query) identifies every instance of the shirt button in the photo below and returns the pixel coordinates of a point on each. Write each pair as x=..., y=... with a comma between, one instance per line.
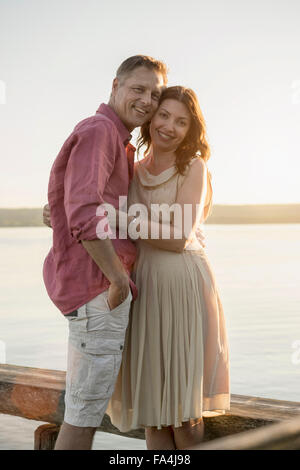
x=121, y=347
x=83, y=345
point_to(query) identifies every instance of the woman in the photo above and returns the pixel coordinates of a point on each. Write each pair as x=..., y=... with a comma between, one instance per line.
x=175, y=363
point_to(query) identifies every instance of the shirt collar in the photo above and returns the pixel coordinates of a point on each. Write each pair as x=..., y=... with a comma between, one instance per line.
x=110, y=113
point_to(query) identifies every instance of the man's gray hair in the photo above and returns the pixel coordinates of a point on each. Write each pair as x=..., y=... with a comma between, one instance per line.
x=142, y=60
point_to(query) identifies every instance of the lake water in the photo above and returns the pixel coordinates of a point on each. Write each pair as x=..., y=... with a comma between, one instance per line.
x=257, y=268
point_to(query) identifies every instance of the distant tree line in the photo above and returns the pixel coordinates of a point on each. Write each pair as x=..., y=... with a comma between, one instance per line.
x=21, y=217
x=255, y=214
x=221, y=214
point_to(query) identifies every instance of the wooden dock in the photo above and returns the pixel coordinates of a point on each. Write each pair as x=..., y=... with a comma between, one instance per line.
x=252, y=422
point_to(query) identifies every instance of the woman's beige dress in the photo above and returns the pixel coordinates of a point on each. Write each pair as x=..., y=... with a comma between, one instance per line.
x=175, y=361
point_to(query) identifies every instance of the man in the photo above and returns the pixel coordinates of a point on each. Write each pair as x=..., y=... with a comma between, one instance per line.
x=87, y=276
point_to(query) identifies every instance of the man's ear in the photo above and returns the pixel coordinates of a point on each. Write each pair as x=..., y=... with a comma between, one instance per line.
x=115, y=85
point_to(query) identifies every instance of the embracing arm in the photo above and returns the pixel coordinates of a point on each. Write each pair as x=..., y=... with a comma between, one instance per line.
x=191, y=199
x=46, y=215
x=173, y=234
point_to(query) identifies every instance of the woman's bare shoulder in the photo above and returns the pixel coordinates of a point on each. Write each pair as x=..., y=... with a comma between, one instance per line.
x=197, y=167
x=198, y=163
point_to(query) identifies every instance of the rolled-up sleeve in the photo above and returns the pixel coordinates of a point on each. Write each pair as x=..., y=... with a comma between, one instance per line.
x=90, y=165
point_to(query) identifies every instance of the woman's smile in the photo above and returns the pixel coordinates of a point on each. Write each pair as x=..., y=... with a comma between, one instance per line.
x=164, y=135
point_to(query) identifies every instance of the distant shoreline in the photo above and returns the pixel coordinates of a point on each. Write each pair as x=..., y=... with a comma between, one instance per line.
x=221, y=214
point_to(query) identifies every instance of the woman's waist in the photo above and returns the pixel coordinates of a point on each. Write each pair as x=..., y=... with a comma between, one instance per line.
x=149, y=253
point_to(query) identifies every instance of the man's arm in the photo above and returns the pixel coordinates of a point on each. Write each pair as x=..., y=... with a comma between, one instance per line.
x=104, y=255
x=89, y=168
x=46, y=215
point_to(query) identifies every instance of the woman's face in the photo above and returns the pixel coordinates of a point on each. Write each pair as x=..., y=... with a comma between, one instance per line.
x=169, y=125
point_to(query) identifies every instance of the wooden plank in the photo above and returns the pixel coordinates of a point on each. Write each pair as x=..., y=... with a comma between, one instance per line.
x=263, y=408
x=50, y=379
x=32, y=393
x=45, y=436
x=39, y=394
x=284, y=435
x=227, y=425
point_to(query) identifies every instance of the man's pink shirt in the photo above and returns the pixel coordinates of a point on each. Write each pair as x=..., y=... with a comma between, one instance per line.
x=91, y=168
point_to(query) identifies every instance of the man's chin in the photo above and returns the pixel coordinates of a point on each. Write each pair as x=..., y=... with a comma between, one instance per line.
x=139, y=122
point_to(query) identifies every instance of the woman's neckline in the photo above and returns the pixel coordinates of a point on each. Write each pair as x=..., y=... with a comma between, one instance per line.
x=151, y=174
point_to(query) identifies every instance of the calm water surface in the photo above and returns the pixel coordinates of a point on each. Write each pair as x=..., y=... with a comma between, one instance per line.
x=257, y=271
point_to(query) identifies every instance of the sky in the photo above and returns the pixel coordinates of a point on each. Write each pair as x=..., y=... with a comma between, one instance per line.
x=242, y=58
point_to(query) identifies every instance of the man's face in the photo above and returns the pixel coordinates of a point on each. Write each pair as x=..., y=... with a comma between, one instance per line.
x=135, y=97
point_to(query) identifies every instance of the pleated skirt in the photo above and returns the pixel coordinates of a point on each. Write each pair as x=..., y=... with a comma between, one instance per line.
x=175, y=362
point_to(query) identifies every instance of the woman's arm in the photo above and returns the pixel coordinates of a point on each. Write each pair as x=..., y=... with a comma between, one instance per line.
x=190, y=204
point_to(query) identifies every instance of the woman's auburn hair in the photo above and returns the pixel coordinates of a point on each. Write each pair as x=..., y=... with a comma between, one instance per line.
x=195, y=143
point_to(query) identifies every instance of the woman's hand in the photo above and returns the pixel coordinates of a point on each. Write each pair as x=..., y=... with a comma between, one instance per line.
x=46, y=215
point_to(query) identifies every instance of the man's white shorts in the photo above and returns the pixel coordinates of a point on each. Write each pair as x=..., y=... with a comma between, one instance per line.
x=96, y=341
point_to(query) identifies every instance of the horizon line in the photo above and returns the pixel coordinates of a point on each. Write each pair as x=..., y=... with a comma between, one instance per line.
x=214, y=204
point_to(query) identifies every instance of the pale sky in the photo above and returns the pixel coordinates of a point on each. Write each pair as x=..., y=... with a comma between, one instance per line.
x=58, y=59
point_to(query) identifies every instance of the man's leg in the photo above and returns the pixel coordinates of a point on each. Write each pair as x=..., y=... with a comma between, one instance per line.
x=95, y=351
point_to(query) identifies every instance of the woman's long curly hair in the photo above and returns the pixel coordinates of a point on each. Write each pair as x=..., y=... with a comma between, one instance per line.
x=195, y=143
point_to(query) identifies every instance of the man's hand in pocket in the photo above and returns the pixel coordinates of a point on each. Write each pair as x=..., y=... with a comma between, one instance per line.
x=117, y=293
